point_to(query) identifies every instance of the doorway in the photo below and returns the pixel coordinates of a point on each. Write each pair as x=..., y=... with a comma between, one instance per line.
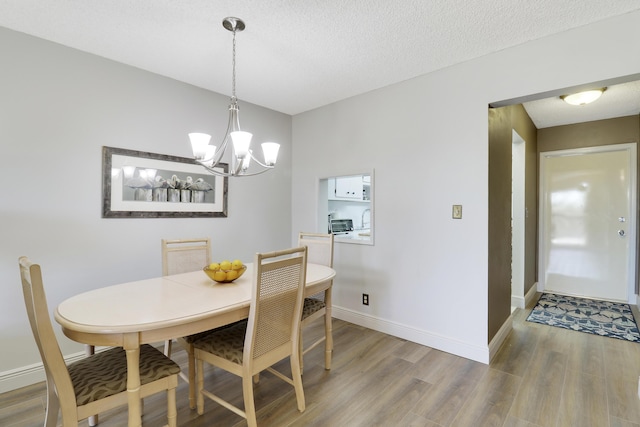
x=588, y=222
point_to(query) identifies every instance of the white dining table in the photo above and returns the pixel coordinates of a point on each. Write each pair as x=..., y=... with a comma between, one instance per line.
x=153, y=310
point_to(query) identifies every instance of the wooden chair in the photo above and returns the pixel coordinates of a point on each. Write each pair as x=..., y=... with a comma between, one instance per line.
x=183, y=256
x=269, y=335
x=94, y=384
x=320, y=251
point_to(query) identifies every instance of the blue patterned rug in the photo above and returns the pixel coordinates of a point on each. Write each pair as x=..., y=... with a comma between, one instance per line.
x=608, y=319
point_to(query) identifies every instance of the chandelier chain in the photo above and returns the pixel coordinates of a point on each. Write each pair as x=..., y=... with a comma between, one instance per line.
x=233, y=80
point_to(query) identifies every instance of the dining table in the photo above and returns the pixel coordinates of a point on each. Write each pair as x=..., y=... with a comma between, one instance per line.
x=153, y=310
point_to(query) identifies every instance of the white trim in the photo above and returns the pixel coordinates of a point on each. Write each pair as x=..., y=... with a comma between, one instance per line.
x=522, y=302
x=518, y=218
x=23, y=376
x=507, y=326
x=27, y=375
x=518, y=302
x=449, y=345
x=530, y=296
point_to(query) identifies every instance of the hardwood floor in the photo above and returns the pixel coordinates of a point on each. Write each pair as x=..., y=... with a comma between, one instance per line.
x=542, y=376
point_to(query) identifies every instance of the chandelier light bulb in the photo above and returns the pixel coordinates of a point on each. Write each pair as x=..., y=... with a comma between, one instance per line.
x=241, y=141
x=199, y=143
x=246, y=162
x=270, y=150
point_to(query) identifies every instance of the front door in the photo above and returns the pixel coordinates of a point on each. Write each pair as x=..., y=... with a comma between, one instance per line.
x=587, y=230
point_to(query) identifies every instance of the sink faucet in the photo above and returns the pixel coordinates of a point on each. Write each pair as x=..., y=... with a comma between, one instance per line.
x=362, y=223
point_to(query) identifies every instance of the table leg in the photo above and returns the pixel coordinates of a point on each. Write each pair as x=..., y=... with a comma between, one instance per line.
x=132, y=348
x=328, y=344
x=89, y=350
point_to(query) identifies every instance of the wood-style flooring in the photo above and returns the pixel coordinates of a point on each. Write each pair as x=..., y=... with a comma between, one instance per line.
x=542, y=376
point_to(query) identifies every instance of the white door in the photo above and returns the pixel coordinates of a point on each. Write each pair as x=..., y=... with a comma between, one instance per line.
x=587, y=230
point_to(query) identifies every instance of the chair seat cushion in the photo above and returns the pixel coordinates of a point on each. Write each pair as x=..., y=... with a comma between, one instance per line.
x=311, y=305
x=192, y=338
x=227, y=343
x=105, y=374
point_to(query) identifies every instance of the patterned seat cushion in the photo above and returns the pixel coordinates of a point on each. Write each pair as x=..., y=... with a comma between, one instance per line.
x=227, y=343
x=105, y=374
x=192, y=338
x=311, y=305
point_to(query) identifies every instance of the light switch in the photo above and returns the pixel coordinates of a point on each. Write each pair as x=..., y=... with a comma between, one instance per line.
x=457, y=212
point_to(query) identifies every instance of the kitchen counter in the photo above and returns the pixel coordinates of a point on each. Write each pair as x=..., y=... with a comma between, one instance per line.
x=364, y=234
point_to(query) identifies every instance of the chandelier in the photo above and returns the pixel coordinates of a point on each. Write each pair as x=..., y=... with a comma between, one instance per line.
x=237, y=140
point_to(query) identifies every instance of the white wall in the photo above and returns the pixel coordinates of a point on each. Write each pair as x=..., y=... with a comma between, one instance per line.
x=427, y=140
x=58, y=107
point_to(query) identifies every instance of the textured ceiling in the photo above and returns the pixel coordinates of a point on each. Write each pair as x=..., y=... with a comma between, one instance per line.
x=618, y=100
x=298, y=55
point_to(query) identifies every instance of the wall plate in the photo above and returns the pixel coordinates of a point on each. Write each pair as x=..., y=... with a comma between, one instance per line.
x=456, y=212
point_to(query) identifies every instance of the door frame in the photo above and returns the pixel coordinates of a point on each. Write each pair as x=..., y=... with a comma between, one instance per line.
x=631, y=148
x=518, y=219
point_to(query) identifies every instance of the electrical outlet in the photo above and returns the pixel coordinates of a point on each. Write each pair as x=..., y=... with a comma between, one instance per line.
x=365, y=299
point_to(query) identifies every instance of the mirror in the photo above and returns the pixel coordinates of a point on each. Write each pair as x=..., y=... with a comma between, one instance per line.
x=346, y=207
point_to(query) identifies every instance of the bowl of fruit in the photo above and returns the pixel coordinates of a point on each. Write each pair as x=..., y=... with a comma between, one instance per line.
x=225, y=271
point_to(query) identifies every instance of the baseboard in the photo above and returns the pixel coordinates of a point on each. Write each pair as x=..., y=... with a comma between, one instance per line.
x=531, y=295
x=30, y=374
x=522, y=302
x=500, y=336
x=449, y=345
x=518, y=302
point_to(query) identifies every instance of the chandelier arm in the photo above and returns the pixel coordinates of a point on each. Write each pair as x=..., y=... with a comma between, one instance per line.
x=253, y=173
x=236, y=166
x=217, y=157
x=238, y=171
x=259, y=162
x=213, y=171
x=232, y=125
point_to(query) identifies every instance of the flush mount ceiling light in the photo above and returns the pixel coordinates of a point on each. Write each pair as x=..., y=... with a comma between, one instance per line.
x=241, y=154
x=583, y=98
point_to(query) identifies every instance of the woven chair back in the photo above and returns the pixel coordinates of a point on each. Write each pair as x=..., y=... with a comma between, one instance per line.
x=320, y=247
x=276, y=304
x=183, y=256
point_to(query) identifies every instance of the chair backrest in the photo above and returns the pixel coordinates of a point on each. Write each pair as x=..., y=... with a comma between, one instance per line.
x=276, y=306
x=185, y=255
x=320, y=247
x=35, y=302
